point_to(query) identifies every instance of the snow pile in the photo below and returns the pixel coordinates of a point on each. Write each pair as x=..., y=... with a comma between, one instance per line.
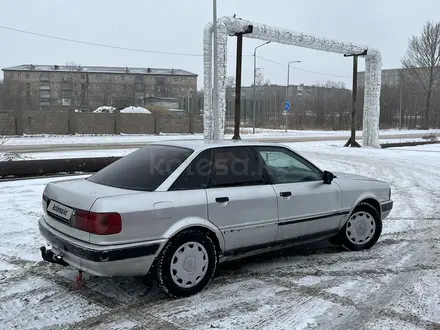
x=105, y=109
x=132, y=109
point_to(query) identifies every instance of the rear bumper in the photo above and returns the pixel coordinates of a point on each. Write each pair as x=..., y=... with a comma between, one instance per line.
x=121, y=260
x=386, y=208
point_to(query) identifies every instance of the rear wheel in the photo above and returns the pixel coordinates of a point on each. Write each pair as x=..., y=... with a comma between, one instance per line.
x=362, y=230
x=186, y=264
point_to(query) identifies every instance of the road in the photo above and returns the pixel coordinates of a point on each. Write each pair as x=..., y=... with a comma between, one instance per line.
x=130, y=145
x=392, y=286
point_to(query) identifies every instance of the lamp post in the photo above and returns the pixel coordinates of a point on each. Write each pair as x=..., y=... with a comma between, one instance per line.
x=352, y=140
x=239, y=35
x=275, y=108
x=255, y=72
x=215, y=73
x=287, y=86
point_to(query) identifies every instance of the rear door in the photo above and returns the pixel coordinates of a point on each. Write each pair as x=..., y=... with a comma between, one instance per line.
x=241, y=203
x=307, y=207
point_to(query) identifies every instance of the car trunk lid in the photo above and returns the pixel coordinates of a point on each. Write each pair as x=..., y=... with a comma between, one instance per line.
x=62, y=199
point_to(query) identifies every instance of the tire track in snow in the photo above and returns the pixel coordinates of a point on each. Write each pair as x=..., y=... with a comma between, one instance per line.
x=376, y=301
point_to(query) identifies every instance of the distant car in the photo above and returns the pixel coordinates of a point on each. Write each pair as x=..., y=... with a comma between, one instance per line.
x=174, y=210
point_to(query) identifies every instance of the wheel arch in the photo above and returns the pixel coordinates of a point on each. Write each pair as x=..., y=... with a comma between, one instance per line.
x=201, y=224
x=373, y=202
x=365, y=198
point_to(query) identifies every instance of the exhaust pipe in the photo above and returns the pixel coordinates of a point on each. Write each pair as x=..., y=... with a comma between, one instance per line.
x=49, y=256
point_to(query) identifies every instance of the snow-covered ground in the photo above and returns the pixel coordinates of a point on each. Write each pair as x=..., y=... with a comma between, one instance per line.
x=392, y=286
x=266, y=133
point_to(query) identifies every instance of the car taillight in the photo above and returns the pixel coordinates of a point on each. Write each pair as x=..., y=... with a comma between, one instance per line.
x=97, y=223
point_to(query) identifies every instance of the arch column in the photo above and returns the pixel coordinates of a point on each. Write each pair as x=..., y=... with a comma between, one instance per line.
x=230, y=26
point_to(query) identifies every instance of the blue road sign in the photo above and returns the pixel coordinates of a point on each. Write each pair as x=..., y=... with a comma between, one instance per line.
x=287, y=107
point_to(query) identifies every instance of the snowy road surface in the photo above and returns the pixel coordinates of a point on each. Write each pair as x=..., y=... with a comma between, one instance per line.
x=48, y=143
x=392, y=286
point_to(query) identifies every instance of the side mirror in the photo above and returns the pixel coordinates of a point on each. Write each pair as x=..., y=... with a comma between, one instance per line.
x=328, y=177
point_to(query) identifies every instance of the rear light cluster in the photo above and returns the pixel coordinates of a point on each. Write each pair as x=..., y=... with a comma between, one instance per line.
x=97, y=223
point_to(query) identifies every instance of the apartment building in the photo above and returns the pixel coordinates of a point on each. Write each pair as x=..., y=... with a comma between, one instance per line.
x=41, y=87
x=391, y=77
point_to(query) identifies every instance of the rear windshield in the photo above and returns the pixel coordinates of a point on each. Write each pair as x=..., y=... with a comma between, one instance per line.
x=144, y=169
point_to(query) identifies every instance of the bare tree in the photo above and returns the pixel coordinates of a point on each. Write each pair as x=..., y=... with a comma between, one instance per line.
x=72, y=66
x=422, y=59
x=334, y=84
x=230, y=81
x=5, y=126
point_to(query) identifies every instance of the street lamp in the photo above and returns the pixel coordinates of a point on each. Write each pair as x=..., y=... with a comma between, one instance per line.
x=255, y=69
x=287, y=86
x=275, y=108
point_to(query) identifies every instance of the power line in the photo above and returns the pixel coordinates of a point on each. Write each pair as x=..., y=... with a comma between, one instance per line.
x=97, y=44
x=102, y=45
x=299, y=69
x=149, y=51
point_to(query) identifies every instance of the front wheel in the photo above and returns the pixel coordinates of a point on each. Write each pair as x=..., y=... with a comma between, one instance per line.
x=362, y=229
x=186, y=264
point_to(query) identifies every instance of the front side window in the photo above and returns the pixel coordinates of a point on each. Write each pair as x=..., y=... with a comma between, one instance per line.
x=144, y=169
x=285, y=166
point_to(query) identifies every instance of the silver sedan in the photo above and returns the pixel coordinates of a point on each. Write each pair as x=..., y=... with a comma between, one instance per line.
x=174, y=210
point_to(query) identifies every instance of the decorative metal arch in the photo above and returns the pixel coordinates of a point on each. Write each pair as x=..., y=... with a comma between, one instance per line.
x=230, y=26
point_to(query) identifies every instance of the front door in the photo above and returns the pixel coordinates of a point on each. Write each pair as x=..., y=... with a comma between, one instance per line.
x=307, y=207
x=240, y=201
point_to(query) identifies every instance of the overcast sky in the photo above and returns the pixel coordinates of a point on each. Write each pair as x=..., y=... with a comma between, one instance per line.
x=177, y=26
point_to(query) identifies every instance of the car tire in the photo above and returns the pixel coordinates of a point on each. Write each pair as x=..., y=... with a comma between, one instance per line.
x=362, y=229
x=186, y=264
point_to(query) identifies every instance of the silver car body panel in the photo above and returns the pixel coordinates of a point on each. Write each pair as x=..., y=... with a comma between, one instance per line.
x=252, y=220
x=247, y=218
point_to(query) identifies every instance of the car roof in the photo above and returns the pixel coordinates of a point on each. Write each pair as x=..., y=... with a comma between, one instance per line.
x=209, y=144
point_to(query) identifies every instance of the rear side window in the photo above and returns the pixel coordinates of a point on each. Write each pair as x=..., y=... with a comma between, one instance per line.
x=235, y=166
x=195, y=176
x=144, y=169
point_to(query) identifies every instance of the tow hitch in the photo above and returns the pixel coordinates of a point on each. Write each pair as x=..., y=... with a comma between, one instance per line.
x=49, y=256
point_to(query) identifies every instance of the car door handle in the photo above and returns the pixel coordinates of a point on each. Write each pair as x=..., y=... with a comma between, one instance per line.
x=222, y=199
x=285, y=193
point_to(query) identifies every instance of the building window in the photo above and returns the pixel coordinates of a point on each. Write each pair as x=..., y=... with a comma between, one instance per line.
x=44, y=95
x=122, y=77
x=139, y=87
x=83, y=76
x=66, y=102
x=44, y=77
x=66, y=85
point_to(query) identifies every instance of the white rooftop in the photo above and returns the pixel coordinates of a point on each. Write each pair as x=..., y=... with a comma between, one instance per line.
x=100, y=69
